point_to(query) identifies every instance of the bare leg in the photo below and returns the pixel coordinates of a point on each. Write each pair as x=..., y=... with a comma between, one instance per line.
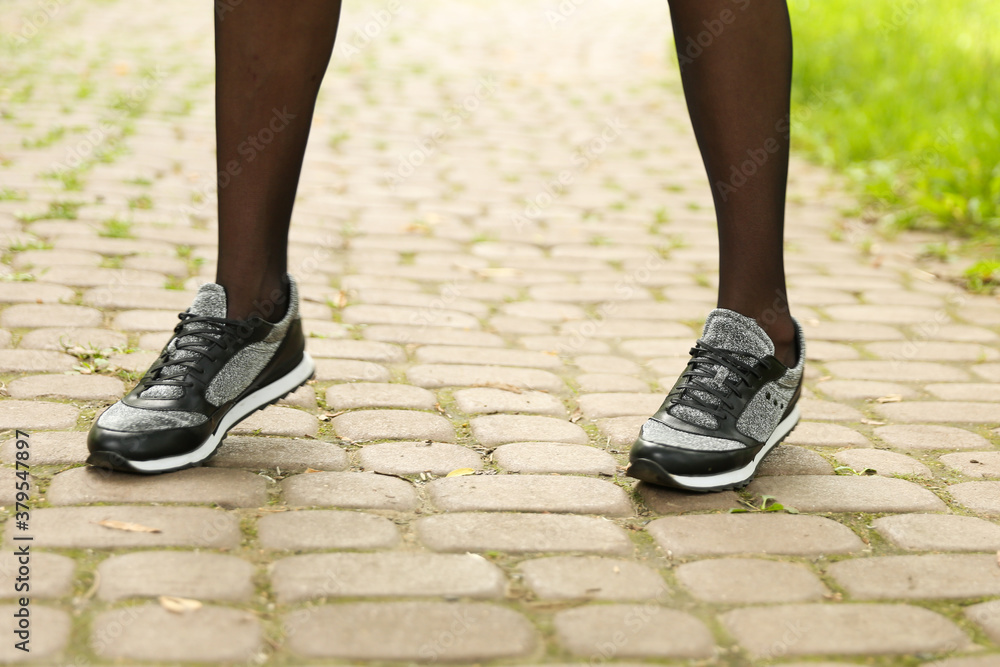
x=736, y=67
x=270, y=60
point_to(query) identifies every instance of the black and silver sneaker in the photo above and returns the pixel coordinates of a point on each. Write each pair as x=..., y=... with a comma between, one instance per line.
x=212, y=374
x=732, y=405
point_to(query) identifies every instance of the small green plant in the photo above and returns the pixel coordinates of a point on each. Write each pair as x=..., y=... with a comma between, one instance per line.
x=142, y=202
x=767, y=504
x=116, y=229
x=10, y=194
x=983, y=276
x=18, y=278
x=46, y=140
x=91, y=360
x=848, y=470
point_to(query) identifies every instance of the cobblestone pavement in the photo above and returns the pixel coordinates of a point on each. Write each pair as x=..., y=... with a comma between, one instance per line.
x=505, y=246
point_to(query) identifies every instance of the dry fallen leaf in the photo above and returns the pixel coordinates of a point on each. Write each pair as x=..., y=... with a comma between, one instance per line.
x=313, y=470
x=872, y=422
x=130, y=527
x=576, y=416
x=891, y=398
x=339, y=299
x=179, y=605
x=459, y=472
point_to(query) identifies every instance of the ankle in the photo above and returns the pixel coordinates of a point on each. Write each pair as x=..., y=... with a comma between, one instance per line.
x=268, y=300
x=785, y=340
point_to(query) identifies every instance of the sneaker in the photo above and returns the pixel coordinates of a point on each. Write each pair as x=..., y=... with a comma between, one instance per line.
x=212, y=374
x=731, y=406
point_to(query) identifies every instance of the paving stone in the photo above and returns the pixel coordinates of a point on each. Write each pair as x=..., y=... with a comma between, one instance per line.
x=883, y=313
x=303, y=397
x=821, y=350
x=200, y=576
x=35, y=315
x=34, y=292
x=620, y=431
x=822, y=629
x=850, y=332
x=364, y=350
x=610, y=382
x=918, y=577
x=325, y=529
x=597, y=406
x=662, y=500
x=114, y=279
x=974, y=464
x=457, y=375
x=60, y=338
x=859, y=390
x=136, y=362
x=560, y=345
x=620, y=328
x=981, y=497
x=734, y=534
x=883, y=462
x=626, y=631
x=285, y=454
x=988, y=372
x=603, y=363
x=554, y=457
x=501, y=429
x=35, y=361
x=939, y=411
x=226, y=488
x=749, y=581
x=385, y=575
x=403, y=315
x=965, y=391
x=904, y=371
x=50, y=633
x=78, y=527
x=412, y=458
x=841, y=493
x=987, y=616
x=971, y=661
x=792, y=460
x=592, y=578
x=349, y=370
x=278, y=420
x=79, y=387
x=816, y=410
x=521, y=533
x=815, y=434
x=36, y=415
x=544, y=310
x=5, y=338
x=322, y=329
x=50, y=447
x=150, y=632
x=933, y=351
x=51, y=576
x=529, y=493
x=349, y=490
x=486, y=356
x=366, y=425
x=378, y=395
x=487, y=400
x=903, y=436
x=411, y=631
x=939, y=532
x=145, y=320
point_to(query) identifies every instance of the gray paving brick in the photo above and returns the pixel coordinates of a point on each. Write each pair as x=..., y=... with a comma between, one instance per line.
x=521, y=533
x=226, y=488
x=939, y=411
x=824, y=629
x=410, y=631
x=620, y=431
x=554, y=457
x=411, y=458
x=735, y=534
x=987, y=616
x=980, y=497
x=36, y=415
x=150, y=632
x=662, y=500
x=841, y=493
x=529, y=493
x=35, y=361
x=50, y=634
x=278, y=420
x=906, y=436
x=325, y=529
x=434, y=376
x=378, y=395
x=918, y=577
x=50, y=447
x=364, y=350
x=903, y=371
x=610, y=382
x=349, y=490
x=367, y=425
x=964, y=391
x=597, y=406
x=974, y=464
x=815, y=434
x=403, y=315
x=201, y=576
x=420, y=335
x=59, y=338
x=50, y=575
x=627, y=631
x=349, y=370
x=35, y=315
x=79, y=387
x=882, y=462
x=592, y=578
x=80, y=528
x=488, y=400
x=855, y=390
x=749, y=581
x=394, y=574
x=939, y=532
x=502, y=429
x=286, y=454
x=792, y=460
x=486, y=356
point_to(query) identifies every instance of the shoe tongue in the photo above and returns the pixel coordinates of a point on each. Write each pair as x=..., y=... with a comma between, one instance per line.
x=210, y=301
x=728, y=330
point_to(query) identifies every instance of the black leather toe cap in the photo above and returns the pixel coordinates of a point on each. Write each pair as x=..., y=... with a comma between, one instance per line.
x=677, y=461
x=147, y=445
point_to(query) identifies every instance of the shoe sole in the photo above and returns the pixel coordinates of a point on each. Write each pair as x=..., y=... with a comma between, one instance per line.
x=649, y=471
x=258, y=400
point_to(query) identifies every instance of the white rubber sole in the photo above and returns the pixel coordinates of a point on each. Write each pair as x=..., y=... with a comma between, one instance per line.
x=247, y=406
x=737, y=477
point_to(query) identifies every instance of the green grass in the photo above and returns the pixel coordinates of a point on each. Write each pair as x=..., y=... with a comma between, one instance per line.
x=904, y=97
